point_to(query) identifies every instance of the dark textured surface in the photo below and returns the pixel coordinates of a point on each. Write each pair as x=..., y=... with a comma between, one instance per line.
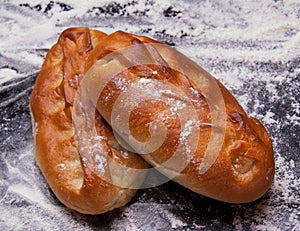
x=253, y=48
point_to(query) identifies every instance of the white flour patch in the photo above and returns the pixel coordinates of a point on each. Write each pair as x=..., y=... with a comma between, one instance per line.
x=8, y=74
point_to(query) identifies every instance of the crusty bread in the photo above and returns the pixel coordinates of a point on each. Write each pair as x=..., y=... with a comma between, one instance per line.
x=72, y=176
x=220, y=153
x=243, y=168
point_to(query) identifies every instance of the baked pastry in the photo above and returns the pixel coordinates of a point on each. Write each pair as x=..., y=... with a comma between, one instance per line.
x=80, y=177
x=155, y=102
x=181, y=120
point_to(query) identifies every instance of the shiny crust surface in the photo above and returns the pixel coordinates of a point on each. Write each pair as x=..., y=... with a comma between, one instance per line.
x=242, y=172
x=73, y=182
x=244, y=168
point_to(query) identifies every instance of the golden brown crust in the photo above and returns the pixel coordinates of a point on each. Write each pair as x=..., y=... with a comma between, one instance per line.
x=242, y=172
x=77, y=185
x=244, y=168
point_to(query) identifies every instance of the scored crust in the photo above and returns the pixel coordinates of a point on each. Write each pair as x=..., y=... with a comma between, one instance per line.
x=76, y=184
x=244, y=168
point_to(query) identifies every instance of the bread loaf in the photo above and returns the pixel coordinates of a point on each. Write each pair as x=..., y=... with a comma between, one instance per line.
x=79, y=177
x=181, y=120
x=101, y=98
